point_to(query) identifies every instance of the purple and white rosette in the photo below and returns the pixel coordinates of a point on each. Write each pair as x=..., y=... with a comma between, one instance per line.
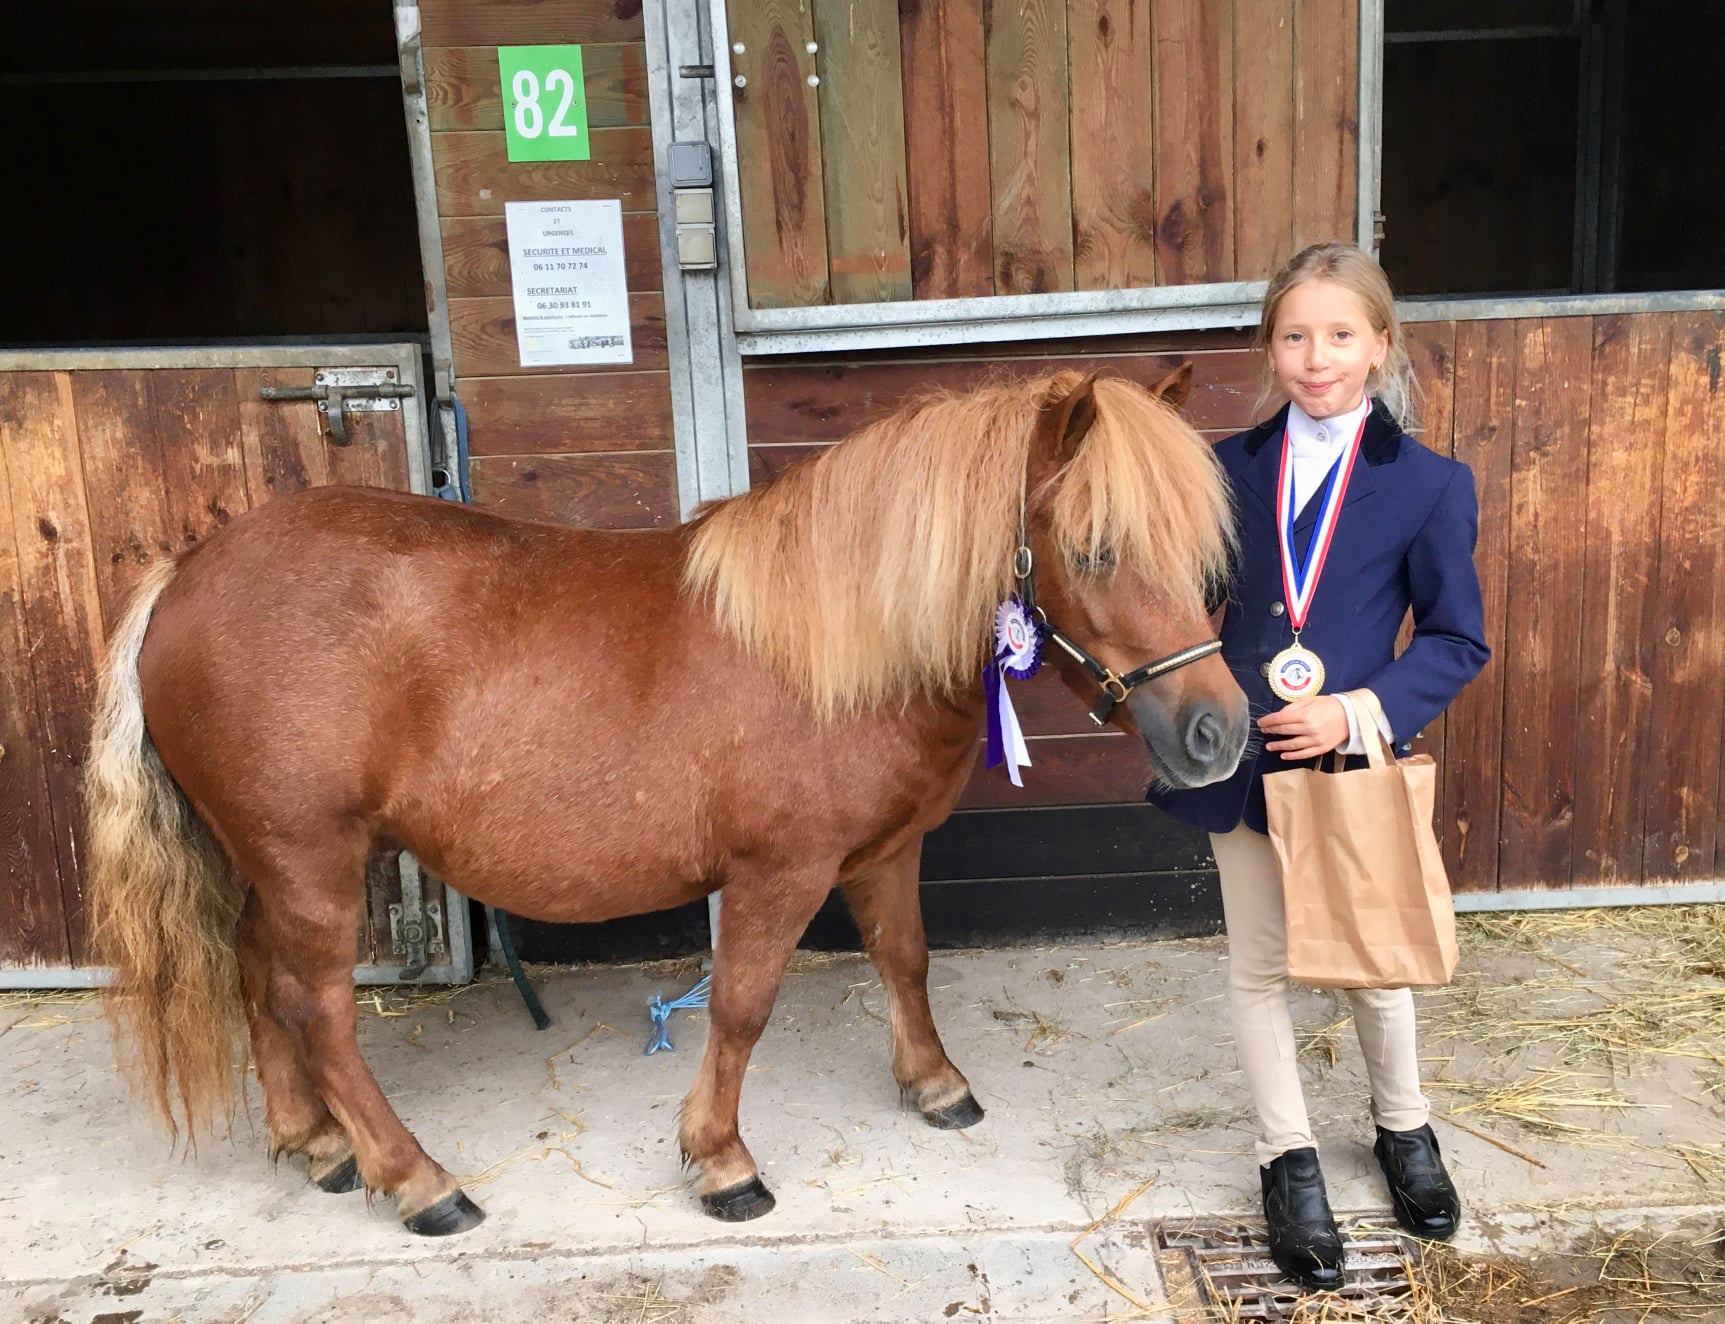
x=1017, y=656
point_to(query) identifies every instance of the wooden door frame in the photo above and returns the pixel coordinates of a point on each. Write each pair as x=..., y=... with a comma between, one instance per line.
x=405, y=358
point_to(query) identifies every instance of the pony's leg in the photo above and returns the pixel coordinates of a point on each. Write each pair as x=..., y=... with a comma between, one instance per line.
x=888, y=913
x=311, y=907
x=761, y=916
x=294, y=1116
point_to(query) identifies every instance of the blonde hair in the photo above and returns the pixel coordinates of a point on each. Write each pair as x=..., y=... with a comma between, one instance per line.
x=872, y=573
x=1349, y=266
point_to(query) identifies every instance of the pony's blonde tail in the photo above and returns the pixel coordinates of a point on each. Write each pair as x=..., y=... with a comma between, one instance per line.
x=163, y=899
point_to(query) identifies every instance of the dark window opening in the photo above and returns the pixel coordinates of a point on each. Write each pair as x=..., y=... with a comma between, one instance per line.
x=1552, y=146
x=192, y=170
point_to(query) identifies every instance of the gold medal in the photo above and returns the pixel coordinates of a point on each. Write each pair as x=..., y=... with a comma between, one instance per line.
x=1296, y=673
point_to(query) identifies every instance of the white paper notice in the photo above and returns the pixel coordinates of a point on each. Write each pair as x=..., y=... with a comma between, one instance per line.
x=566, y=267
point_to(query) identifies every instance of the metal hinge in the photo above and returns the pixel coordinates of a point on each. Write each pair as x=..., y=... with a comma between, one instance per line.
x=343, y=391
x=415, y=925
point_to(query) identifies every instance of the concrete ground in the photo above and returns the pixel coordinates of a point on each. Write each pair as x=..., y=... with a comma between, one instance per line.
x=1578, y=1062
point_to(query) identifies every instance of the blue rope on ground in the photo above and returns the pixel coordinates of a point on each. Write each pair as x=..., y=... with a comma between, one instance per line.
x=660, y=1011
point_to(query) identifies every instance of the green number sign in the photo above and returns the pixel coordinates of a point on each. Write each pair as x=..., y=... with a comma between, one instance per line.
x=544, y=103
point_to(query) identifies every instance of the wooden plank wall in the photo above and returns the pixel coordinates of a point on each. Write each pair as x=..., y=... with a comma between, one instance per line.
x=102, y=472
x=589, y=446
x=1038, y=145
x=1588, y=753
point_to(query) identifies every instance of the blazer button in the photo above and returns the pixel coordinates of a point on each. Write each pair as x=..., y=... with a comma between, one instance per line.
x=1264, y=670
x=1277, y=608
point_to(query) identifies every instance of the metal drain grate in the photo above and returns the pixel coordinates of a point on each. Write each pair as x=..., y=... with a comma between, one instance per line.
x=1231, y=1268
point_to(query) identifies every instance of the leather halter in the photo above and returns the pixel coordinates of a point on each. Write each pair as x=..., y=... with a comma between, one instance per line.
x=1114, y=688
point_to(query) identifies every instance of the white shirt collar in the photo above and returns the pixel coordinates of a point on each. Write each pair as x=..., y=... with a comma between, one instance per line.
x=1324, y=436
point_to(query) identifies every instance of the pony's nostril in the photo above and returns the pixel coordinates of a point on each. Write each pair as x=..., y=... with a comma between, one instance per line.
x=1204, y=737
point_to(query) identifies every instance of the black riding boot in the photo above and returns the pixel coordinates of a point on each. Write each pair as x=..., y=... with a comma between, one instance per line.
x=1425, y=1200
x=1304, y=1241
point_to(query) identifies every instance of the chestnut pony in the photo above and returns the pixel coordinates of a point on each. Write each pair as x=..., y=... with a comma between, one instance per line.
x=780, y=697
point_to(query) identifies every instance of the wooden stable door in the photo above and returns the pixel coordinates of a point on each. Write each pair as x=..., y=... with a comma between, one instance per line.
x=110, y=460
x=946, y=150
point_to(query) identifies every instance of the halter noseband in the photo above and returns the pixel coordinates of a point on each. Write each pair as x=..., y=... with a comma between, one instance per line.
x=1114, y=688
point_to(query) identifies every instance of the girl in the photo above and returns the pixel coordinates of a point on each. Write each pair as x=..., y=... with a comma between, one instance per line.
x=1345, y=523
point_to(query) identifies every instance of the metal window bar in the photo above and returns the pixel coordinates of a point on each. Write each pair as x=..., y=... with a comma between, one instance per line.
x=1426, y=38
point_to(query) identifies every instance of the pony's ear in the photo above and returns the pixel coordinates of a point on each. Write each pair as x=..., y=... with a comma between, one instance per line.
x=1066, y=421
x=1176, y=388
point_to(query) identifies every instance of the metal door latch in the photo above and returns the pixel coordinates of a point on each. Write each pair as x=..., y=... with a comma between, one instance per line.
x=343, y=391
x=416, y=936
x=415, y=924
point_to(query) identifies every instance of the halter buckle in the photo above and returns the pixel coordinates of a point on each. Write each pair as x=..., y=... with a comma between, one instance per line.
x=1114, y=687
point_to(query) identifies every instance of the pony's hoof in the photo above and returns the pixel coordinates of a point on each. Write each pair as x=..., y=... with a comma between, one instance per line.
x=452, y=1214
x=740, y=1203
x=956, y=1116
x=340, y=1179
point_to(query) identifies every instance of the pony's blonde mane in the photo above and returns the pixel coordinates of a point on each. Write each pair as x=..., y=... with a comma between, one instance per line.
x=872, y=573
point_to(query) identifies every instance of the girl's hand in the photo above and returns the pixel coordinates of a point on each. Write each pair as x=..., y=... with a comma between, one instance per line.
x=1307, y=728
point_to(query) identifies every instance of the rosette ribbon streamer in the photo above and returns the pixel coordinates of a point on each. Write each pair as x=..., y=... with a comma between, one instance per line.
x=1017, y=656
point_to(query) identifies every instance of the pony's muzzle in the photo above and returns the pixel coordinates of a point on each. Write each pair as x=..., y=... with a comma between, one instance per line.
x=1195, y=745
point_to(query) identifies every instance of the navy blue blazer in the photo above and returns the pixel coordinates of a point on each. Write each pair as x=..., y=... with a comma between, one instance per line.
x=1405, y=538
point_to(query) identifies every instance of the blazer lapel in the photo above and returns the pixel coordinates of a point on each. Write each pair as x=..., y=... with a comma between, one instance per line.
x=1264, y=458
x=1379, y=445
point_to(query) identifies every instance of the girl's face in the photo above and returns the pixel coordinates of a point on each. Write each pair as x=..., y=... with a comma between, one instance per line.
x=1323, y=347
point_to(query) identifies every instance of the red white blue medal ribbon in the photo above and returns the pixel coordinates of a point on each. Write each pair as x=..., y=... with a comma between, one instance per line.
x=1300, y=576
x=1297, y=672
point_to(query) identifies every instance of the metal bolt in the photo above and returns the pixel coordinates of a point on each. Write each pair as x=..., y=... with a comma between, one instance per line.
x=390, y=374
x=322, y=376
x=814, y=80
x=737, y=48
x=395, y=404
x=740, y=81
x=812, y=47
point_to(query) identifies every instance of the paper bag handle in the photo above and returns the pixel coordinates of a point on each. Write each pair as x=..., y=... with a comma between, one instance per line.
x=1371, y=720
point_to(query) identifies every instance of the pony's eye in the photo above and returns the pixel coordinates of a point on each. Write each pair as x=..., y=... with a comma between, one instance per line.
x=1099, y=562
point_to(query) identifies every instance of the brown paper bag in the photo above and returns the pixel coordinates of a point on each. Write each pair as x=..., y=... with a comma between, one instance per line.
x=1368, y=902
